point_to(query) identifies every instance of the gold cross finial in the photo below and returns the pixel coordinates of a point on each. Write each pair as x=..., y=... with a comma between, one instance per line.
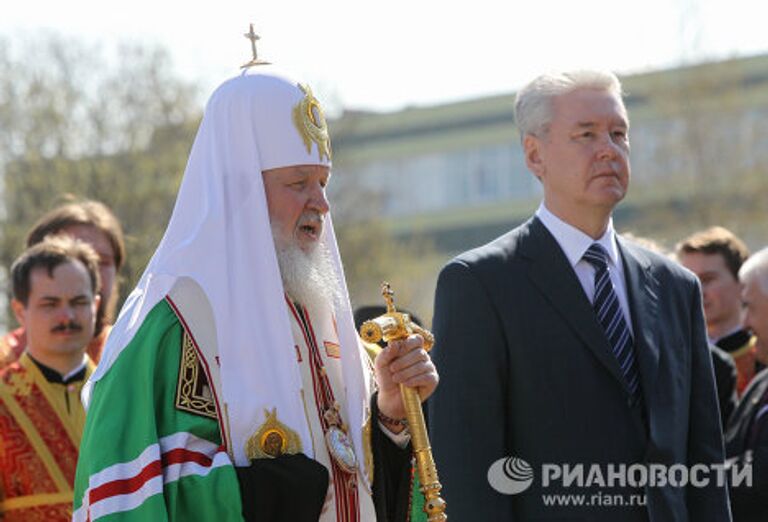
x=253, y=37
x=389, y=297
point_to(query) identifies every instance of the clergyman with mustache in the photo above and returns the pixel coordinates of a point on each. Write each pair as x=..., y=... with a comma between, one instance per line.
x=55, y=298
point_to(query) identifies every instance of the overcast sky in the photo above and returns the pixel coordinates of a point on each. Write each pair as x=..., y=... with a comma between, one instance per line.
x=387, y=55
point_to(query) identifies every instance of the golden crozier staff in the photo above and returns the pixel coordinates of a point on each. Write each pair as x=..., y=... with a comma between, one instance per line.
x=393, y=326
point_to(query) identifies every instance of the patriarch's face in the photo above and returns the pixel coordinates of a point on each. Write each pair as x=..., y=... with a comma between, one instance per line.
x=297, y=203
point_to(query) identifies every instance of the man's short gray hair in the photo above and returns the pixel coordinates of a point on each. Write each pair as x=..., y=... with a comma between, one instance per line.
x=756, y=267
x=533, y=104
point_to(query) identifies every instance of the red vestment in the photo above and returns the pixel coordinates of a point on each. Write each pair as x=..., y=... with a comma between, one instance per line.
x=41, y=424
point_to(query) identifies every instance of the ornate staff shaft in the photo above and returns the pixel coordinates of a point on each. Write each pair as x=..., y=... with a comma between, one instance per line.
x=390, y=327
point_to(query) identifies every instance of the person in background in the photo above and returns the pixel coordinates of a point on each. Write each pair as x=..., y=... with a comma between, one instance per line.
x=94, y=223
x=722, y=363
x=746, y=440
x=55, y=298
x=715, y=255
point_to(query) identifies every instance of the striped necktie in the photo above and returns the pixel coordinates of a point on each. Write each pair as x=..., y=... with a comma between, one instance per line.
x=611, y=318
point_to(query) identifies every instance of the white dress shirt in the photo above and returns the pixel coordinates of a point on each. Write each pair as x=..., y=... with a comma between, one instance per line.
x=575, y=243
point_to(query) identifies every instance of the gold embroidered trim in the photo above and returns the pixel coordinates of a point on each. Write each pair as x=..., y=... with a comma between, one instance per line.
x=20, y=383
x=72, y=420
x=35, y=440
x=193, y=393
x=272, y=439
x=41, y=499
x=332, y=349
x=747, y=347
x=368, y=446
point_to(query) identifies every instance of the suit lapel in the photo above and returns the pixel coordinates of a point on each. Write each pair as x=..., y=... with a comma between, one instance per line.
x=642, y=294
x=550, y=271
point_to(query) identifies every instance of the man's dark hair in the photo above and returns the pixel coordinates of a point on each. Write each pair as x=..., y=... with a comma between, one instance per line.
x=88, y=213
x=717, y=240
x=51, y=252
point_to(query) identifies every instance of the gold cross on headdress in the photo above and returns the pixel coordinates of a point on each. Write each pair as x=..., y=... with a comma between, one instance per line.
x=253, y=37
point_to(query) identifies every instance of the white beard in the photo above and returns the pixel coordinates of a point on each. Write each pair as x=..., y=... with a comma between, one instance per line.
x=309, y=277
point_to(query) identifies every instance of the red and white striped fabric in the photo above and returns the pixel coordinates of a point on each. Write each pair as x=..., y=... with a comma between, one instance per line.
x=126, y=485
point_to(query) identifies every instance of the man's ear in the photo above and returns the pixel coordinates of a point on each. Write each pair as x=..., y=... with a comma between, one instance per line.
x=19, y=310
x=532, y=153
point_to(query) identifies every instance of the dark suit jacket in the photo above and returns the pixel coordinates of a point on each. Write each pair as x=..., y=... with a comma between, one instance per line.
x=746, y=442
x=526, y=371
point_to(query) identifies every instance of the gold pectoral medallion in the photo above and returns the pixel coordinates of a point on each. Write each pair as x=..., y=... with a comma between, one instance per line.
x=272, y=439
x=338, y=442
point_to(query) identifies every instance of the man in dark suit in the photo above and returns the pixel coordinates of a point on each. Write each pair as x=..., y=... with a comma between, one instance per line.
x=563, y=345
